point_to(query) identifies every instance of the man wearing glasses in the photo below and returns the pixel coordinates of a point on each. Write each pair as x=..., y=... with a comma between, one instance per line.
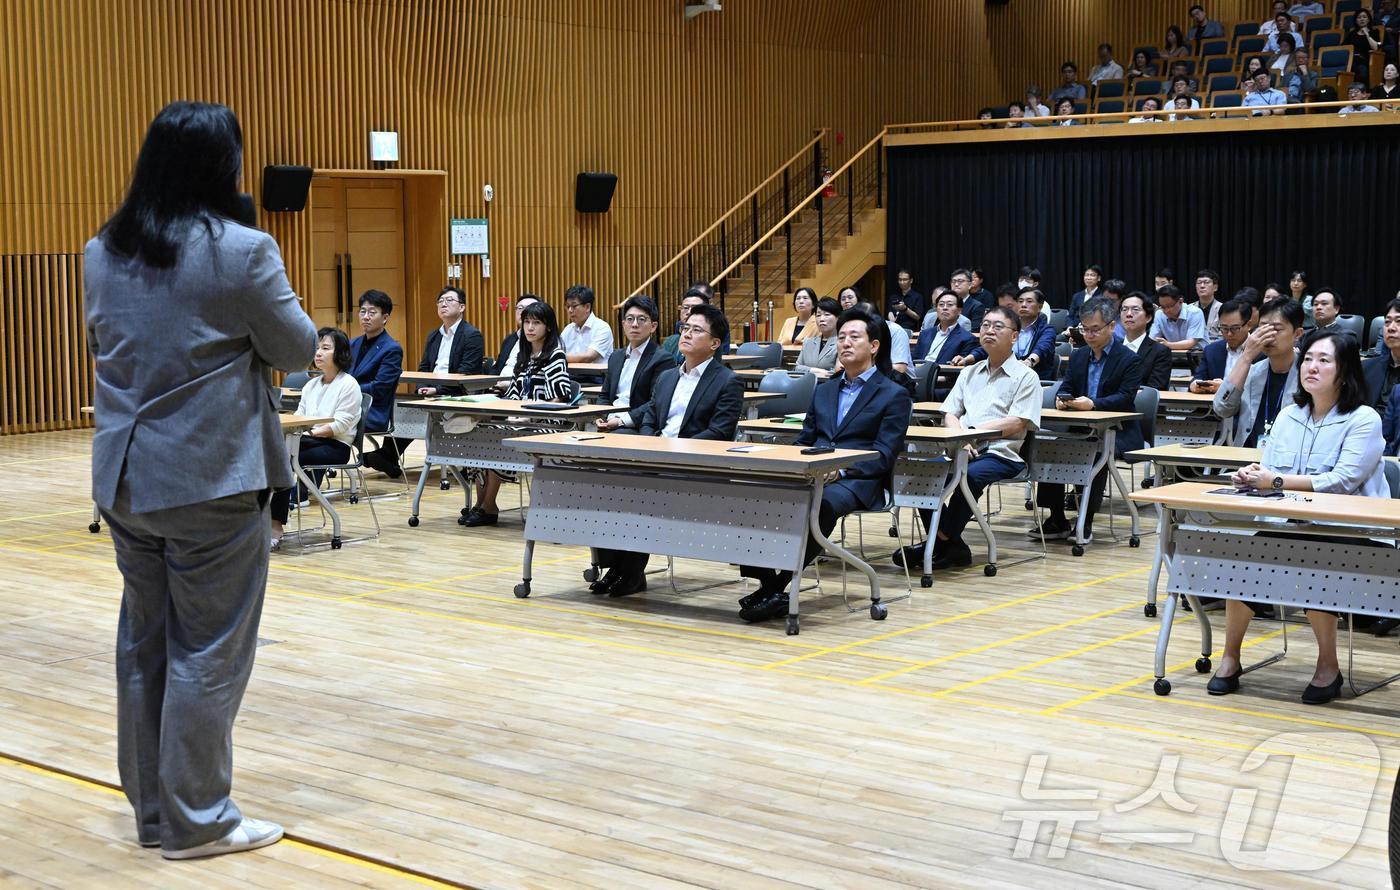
x=995, y=393
x=701, y=399
x=1219, y=356
x=632, y=370
x=1103, y=375
x=378, y=359
x=455, y=347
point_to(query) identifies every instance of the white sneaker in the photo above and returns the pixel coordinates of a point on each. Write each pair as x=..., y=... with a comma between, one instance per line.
x=248, y=834
x=275, y=545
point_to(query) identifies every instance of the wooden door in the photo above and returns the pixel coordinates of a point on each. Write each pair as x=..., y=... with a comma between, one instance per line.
x=357, y=231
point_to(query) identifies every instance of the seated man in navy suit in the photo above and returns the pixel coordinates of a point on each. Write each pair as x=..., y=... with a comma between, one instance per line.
x=862, y=408
x=1220, y=356
x=945, y=338
x=633, y=369
x=1103, y=375
x=378, y=359
x=1383, y=371
x=1035, y=341
x=454, y=347
x=700, y=399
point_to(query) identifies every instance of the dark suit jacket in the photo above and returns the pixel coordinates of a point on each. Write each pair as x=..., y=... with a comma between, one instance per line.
x=958, y=342
x=1390, y=423
x=654, y=360
x=1375, y=368
x=877, y=421
x=468, y=349
x=377, y=368
x=1042, y=344
x=1212, y=366
x=1076, y=302
x=1156, y=361
x=713, y=411
x=507, y=345
x=1118, y=386
x=976, y=306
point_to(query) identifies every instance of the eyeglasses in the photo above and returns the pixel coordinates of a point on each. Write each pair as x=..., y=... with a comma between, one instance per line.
x=445, y=301
x=636, y=319
x=997, y=326
x=1092, y=332
x=695, y=330
x=369, y=311
x=1231, y=328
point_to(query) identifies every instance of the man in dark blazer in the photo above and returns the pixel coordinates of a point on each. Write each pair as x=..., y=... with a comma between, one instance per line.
x=1093, y=275
x=700, y=399
x=378, y=359
x=1035, y=342
x=1103, y=375
x=1220, y=355
x=863, y=409
x=633, y=369
x=462, y=353
x=1135, y=320
x=1383, y=371
x=947, y=331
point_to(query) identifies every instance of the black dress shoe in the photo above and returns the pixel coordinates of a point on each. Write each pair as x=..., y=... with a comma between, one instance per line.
x=476, y=516
x=627, y=586
x=952, y=557
x=1385, y=626
x=1321, y=695
x=772, y=606
x=912, y=554
x=605, y=583
x=1219, y=685
x=761, y=593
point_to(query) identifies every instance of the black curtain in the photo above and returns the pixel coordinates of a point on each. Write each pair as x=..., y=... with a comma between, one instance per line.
x=1252, y=206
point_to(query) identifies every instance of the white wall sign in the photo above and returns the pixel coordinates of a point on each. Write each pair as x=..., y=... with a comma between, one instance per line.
x=468, y=237
x=383, y=145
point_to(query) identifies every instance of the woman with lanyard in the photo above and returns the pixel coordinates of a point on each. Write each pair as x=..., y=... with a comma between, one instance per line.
x=1327, y=439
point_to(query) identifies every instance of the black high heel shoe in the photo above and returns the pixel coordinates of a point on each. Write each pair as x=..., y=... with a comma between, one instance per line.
x=1321, y=695
x=1219, y=685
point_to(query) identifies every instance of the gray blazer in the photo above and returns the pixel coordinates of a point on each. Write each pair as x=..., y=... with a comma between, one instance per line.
x=184, y=404
x=1242, y=403
x=813, y=356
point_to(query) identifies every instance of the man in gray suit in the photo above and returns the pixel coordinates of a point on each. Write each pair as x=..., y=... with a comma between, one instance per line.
x=186, y=312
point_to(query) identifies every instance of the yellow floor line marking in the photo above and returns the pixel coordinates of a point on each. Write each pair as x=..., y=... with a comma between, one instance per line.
x=88, y=511
x=961, y=616
x=1028, y=635
x=1143, y=678
x=327, y=850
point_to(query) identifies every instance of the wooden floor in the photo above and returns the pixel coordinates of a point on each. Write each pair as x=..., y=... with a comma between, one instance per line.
x=410, y=713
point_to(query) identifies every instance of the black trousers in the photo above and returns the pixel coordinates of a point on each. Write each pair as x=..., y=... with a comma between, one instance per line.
x=1051, y=495
x=314, y=450
x=624, y=562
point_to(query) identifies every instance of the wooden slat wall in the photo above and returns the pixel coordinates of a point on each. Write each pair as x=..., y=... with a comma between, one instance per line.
x=522, y=94
x=47, y=375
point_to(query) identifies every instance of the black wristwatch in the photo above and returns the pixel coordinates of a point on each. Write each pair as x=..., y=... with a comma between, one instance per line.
x=1278, y=483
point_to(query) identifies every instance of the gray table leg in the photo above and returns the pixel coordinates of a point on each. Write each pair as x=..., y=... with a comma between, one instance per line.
x=294, y=446
x=982, y=524
x=951, y=485
x=878, y=610
x=418, y=491
x=1110, y=448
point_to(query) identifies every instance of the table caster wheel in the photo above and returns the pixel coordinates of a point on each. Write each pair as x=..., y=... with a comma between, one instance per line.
x=1030, y=505
x=1147, y=481
x=1203, y=665
x=1077, y=550
x=989, y=570
x=894, y=532
x=926, y=581
x=354, y=499
x=1135, y=541
x=1149, y=610
x=879, y=611
x=522, y=590
x=94, y=527
x=590, y=574
x=464, y=512
x=335, y=543
x=445, y=485
x=1162, y=687
x=413, y=522
x=792, y=626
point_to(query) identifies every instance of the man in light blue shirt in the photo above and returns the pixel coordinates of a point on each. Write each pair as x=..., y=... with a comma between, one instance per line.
x=1262, y=97
x=1179, y=325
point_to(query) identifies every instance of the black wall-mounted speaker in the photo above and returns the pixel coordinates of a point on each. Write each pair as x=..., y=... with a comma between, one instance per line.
x=284, y=188
x=593, y=192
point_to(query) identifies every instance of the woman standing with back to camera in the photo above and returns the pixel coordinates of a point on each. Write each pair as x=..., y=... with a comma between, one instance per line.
x=186, y=312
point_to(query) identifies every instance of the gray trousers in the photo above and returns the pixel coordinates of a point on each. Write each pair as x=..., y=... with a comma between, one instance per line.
x=194, y=579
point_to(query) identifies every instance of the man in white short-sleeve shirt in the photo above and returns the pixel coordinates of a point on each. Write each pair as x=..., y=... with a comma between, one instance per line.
x=586, y=338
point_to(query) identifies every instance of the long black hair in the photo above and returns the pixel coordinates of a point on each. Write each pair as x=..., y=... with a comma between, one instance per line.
x=1351, y=379
x=541, y=312
x=187, y=172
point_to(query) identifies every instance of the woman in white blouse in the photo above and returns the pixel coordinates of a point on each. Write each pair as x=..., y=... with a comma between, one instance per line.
x=1328, y=440
x=335, y=394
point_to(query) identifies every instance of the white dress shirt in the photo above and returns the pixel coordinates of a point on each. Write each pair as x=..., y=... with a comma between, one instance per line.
x=623, y=397
x=594, y=334
x=444, y=356
x=680, y=399
x=1134, y=345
